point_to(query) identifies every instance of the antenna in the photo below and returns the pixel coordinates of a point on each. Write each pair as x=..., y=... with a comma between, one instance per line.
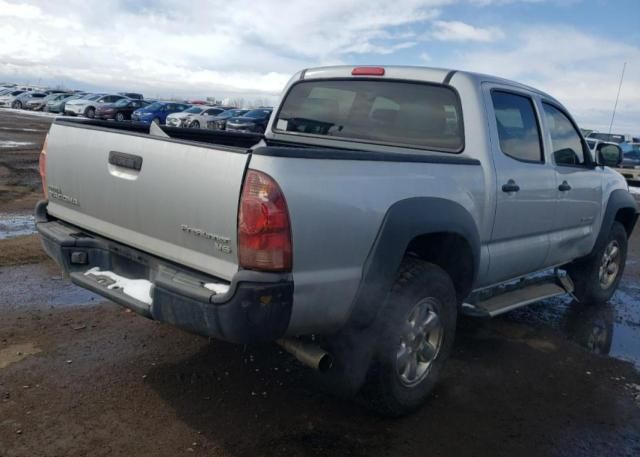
x=617, y=97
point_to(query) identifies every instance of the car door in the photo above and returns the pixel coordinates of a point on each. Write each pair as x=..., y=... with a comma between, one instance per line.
x=525, y=185
x=579, y=187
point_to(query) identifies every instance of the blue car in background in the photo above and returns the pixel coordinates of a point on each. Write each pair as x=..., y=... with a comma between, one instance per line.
x=157, y=112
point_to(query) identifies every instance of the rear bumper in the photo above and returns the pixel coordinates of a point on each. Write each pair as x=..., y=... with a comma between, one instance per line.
x=256, y=307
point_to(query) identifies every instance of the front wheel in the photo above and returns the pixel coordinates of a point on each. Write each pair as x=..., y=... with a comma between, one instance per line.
x=90, y=113
x=195, y=125
x=597, y=276
x=416, y=334
x=17, y=105
x=119, y=117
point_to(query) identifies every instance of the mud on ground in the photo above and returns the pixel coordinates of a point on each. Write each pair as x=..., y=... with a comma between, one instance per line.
x=81, y=376
x=21, y=139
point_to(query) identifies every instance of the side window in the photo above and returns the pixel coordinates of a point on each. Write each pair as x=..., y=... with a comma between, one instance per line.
x=567, y=145
x=518, y=129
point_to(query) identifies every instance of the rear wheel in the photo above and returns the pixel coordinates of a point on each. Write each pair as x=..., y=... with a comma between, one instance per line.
x=416, y=334
x=597, y=276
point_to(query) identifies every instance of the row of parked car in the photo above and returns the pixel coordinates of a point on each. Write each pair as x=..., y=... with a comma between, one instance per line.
x=630, y=145
x=127, y=106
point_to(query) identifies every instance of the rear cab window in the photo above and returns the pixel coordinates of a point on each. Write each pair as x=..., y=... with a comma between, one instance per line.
x=518, y=129
x=408, y=114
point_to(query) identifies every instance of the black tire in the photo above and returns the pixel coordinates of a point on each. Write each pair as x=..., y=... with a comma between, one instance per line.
x=194, y=125
x=586, y=273
x=16, y=105
x=418, y=283
x=120, y=117
x=90, y=112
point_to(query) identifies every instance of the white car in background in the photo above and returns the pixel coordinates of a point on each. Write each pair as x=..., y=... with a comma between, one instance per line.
x=183, y=118
x=87, y=106
x=7, y=99
x=200, y=120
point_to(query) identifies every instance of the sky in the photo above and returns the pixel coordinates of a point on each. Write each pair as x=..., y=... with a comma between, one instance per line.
x=572, y=49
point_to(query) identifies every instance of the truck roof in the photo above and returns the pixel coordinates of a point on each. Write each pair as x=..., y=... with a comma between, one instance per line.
x=429, y=74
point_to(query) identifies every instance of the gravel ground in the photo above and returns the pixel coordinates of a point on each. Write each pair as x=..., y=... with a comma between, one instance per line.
x=81, y=376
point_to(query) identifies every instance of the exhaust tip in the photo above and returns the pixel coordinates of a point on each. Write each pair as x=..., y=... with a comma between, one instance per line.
x=325, y=363
x=309, y=354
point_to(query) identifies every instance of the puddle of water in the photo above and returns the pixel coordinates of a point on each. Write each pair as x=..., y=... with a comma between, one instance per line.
x=16, y=353
x=612, y=329
x=15, y=144
x=12, y=225
x=40, y=286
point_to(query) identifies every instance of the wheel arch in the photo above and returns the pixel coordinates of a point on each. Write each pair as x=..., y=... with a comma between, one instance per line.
x=621, y=207
x=437, y=230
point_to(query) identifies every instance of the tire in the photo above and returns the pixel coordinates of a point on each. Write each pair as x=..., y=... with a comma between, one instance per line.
x=120, y=117
x=408, y=358
x=597, y=276
x=16, y=105
x=194, y=125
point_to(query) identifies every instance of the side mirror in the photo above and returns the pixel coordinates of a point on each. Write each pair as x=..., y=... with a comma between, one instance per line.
x=609, y=155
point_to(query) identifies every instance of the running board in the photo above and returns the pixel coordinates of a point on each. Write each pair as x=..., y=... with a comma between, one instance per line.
x=518, y=296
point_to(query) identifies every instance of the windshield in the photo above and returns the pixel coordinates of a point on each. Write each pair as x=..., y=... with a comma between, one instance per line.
x=628, y=148
x=258, y=113
x=413, y=114
x=16, y=92
x=194, y=110
x=153, y=107
x=231, y=113
x=612, y=137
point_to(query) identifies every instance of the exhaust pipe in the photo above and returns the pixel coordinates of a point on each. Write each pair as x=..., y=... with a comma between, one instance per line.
x=308, y=353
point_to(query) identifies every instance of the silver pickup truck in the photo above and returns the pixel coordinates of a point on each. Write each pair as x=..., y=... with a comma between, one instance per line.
x=379, y=204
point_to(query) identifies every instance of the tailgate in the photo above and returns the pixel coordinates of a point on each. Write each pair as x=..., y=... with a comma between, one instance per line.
x=181, y=204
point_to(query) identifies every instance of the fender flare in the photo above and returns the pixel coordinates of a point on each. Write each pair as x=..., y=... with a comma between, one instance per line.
x=404, y=221
x=619, y=199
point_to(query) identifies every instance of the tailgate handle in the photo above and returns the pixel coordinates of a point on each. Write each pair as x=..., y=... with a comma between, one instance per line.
x=124, y=160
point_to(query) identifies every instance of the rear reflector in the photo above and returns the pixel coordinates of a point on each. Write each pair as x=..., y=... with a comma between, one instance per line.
x=42, y=167
x=264, y=231
x=368, y=71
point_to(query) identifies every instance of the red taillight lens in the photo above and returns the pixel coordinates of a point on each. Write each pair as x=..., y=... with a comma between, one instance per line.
x=264, y=231
x=368, y=71
x=42, y=167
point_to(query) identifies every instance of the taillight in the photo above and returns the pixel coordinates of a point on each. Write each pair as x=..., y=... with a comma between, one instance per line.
x=42, y=167
x=264, y=231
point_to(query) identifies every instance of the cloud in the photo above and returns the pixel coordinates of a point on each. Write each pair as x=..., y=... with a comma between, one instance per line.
x=579, y=69
x=460, y=31
x=234, y=47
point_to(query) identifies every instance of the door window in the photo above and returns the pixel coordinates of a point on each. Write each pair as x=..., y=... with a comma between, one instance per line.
x=518, y=130
x=567, y=145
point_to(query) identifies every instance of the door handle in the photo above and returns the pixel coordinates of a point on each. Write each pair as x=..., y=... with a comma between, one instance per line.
x=564, y=187
x=510, y=186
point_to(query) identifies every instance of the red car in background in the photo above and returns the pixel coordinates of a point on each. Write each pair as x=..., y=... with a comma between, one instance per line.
x=120, y=110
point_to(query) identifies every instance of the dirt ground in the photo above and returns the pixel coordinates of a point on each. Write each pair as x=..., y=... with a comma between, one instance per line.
x=80, y=376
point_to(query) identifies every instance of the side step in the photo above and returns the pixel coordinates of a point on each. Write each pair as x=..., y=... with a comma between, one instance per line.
x=523, y=293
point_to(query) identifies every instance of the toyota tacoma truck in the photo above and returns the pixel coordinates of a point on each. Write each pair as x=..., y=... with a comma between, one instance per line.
x=379, y=204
